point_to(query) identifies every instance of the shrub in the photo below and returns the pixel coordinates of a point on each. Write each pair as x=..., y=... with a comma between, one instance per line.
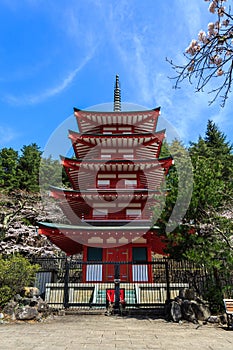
x=5, y=295
x=214, y=296
x=16, y=272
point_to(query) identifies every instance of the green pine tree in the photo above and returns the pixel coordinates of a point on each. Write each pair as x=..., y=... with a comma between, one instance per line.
x=204, y=233
x=28, y=168
x=8, y=169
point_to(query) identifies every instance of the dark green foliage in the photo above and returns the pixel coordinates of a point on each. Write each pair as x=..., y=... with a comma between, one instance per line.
x=165, y=150
x=179, y=183
x=16, y=272
x=28, y=168
x=215, y=149
x=204, y=233
x=20, y=172
x=215, y=141
x=8, y=169
x=214, y=296
x=52, y=174
x=29, y=171
x=5, y=295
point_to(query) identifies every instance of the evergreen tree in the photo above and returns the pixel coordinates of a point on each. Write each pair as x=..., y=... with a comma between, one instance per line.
x=28, y=168
x=165, y=150
x=178, y=182
x=216, y=140
x=212, y=204
x=52, y=174
x=8, y=169
x=205, y=231
x=217, y=151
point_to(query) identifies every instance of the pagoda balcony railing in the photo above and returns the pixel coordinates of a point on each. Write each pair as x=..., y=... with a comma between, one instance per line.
x=119, y=188
x=115, y=218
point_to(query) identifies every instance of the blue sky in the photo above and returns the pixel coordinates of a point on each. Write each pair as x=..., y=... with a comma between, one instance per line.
x=56, y=55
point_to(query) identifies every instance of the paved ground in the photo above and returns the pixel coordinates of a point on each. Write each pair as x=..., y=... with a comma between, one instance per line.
x=94, y=332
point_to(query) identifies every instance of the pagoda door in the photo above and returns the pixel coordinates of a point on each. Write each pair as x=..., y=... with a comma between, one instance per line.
x=115, y=255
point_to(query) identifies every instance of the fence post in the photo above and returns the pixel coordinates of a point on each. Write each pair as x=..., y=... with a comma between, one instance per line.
x=117, y=285
x=167, y=281
x=66, y=283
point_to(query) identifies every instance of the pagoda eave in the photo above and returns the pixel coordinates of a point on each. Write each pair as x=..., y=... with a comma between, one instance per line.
x=94, y=120
x=146, y=145
x=81, y=137
x=94, y=193
x=116, y=179
x=137, y=164
x=84, y=112
x=71, y=238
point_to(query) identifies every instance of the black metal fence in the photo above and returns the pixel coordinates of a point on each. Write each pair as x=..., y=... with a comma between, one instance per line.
x=72, y=283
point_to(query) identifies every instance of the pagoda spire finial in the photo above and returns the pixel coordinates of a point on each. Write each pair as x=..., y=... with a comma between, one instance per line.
x=117, y=95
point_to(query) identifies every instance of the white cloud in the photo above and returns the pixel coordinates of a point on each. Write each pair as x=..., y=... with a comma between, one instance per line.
x=131, y=45
x=134, y=38
x=50, y=92
x=65, y=20
x=140, y=64
x=142, y=47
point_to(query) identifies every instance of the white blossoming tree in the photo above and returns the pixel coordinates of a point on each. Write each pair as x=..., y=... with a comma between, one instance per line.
x=211, y=55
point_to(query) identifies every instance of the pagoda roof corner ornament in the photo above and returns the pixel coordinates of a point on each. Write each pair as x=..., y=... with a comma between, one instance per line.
x=117, y=95
x=157, y=109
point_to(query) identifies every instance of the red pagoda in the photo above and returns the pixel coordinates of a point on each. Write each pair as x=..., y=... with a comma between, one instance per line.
x=116, y=179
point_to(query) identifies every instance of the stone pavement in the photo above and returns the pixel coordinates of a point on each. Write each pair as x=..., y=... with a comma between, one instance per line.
x=92, y=332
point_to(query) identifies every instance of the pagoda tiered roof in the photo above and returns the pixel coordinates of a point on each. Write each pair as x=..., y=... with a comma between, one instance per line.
x=78, y=204
x=92, y=121
x=147, y=145
x=116, y=178
x=82, y=173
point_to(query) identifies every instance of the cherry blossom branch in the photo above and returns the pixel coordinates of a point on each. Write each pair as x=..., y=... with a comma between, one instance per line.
x=210, y=55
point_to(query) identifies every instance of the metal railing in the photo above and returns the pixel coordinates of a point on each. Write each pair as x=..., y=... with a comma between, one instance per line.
x=72, y=283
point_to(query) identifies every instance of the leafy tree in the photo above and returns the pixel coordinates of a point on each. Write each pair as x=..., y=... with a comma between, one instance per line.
x=179, y=183
x=8, y=169
x=28, y=168
x=212, y=204
x=29, y=171
x=16, y=272
x=204, y=234
x=210, y=56
x=217, y=149
x=52, y=174
x=165, y=150
x=216, y=141
x=205, y=231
